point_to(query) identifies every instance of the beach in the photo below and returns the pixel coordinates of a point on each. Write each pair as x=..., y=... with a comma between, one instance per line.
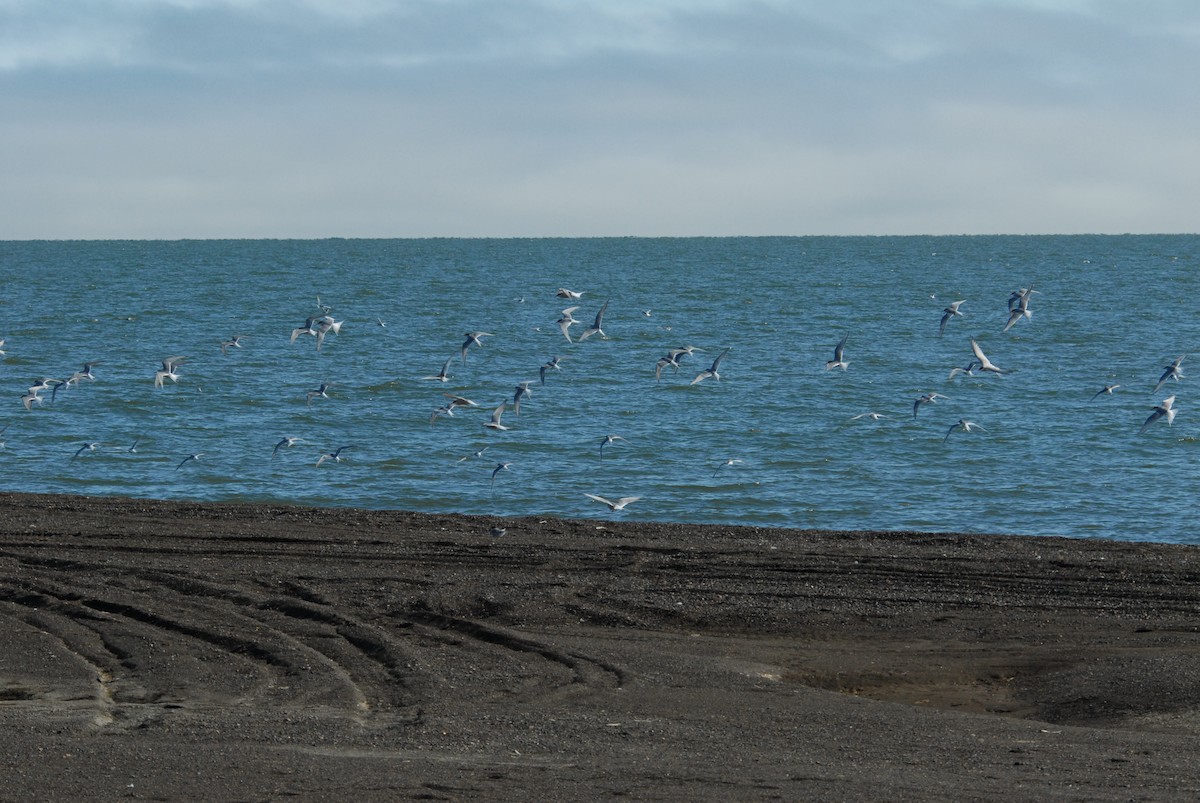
x=176, y=650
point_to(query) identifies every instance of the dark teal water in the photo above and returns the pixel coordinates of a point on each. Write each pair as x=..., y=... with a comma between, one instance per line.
x=1051, y=461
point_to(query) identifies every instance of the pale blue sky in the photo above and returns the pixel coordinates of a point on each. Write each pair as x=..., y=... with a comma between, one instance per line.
x=381, y=118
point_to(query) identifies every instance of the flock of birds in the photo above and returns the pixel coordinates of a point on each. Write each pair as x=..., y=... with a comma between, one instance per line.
x=1018, y=310
x=323, y=324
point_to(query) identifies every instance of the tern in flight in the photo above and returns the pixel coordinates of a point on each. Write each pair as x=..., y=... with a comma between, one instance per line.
x=442, y=375
x=1165, y=409
x=234, y=342
x=873, y=416
x=606, y=440
x=711, y=370
x=566, y=322
x=87, y=447
x=494, y=421
x=962, y=425
x=472, y=339
x=320, y=393
x=930, y=398
x=569, y=294
x=478, y=453
x=555, y=364
x=189, y=459
x=1172, y=371
x=519, y=392
x=168, y=370
x=948, y=313
x=289, y=440
x=984, y=363
x=730, y=462
x=597, y=326
x=838, y=360
x=1107, y=389
x=499, y=467
x=335, y=455
x=617, y=505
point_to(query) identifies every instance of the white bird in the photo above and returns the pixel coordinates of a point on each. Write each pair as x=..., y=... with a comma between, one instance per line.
x=711, y=371
x=930, y=398
x=479, y=453
x=308, y=328
x=597, y=326
x=168, y=370
x=1107, y=389
x=494, y=422
x=133, y=446
x=1018, y=306
x=234, y=342
x=31, y=398
x=519, y=392
x=948, y=313
x=1165, y=409
x=473, y=339
x=87, y=447
x=733, y=461
x=335, y=455
x=289, y=440
x=566, y=321
x=606, y=440
x=872, y=416
x=324, y=326
x=499, y=467
x=617, y=505
x=838, y=360
x=984, y=363
x=962, y=425
x=459, y=401
x=1172, y=371
x=969, y=370
x=497, y=532
x=188, y=459
x=442, y=375
x=321, y=392
x=571, y=294
x=555, y=363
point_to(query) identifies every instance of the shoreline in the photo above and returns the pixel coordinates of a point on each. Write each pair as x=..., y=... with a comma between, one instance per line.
x=416, y=655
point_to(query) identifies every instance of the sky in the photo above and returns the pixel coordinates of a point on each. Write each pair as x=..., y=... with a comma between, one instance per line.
x=167, y=119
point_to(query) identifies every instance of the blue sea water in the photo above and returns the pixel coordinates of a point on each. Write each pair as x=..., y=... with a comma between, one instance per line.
x=1051, y=461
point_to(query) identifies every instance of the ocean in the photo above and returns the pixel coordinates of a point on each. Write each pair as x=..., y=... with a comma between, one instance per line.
x=773, y=442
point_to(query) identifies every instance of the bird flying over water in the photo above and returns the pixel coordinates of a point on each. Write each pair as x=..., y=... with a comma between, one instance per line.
x=711, y=371
x=928, y=398
x=597, y=326
x=617, y=505
x=1164, y=409
x=1107, y=389
x=950, y=312
x=962, y=425
x=984, y=363
x=442, y=375
x=189, y=459
x=472, y=339
x=335, y=455
x=839, y=351
x=571, y=294
x=289, y=440
x=494, y=421
x=1172, y=371
x=606, y=440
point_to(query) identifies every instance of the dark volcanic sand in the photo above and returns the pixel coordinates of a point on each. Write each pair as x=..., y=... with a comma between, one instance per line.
x=171, y=650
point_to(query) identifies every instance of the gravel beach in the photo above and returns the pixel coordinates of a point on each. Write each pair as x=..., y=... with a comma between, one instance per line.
x=173, y=650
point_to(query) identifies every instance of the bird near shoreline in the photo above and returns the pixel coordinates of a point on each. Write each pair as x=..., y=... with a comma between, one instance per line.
x=619, y=504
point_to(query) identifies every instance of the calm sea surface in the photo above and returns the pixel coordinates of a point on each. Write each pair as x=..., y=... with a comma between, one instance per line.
x=1052, y=460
